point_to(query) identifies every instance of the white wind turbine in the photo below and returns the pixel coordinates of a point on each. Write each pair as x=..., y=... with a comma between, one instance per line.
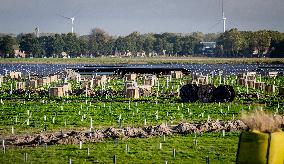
x=72, y=22
x=37, y=31
x=223, y=19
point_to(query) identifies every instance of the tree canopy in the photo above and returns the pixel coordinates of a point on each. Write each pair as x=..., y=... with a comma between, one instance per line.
x=6, y=45
x=232, y=43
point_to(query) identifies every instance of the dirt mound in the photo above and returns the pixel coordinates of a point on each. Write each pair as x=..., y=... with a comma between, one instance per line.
x=97, y=136
x=69, y=140
x=74, y=137
x=113, y=133
x=236, y=125
x=212, y=126
x=135, y=132
x=48, y=138
x=159, y=130
x=185, y=128
x=27, y=140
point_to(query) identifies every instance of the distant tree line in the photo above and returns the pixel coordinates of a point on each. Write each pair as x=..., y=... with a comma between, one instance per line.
x=232, y=43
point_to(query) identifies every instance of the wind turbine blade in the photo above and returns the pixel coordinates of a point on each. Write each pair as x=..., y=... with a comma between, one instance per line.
x=237, y=26
x=77, y=12
x=63, y=16
x=214, y=25
x=223, y=8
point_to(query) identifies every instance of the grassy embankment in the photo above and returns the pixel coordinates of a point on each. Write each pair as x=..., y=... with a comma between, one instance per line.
x=146, y=60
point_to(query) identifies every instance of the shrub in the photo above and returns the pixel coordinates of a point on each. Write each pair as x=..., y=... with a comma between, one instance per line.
x=262, y=121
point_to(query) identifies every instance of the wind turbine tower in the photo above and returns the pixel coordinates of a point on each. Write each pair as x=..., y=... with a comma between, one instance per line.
x=223, y=17
x=37, y=31
x=72, y=24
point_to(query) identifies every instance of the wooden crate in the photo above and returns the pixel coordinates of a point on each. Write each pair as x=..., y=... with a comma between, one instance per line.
x=71, y=74
x=53, y=78
x=193, y=82
x=56, y=91
x=241, y=81
x=250, y=77
x=15, y=75
x=128, y=84
x=251, y=74
x=132, y=92
x=177, y=74
x=202, y=80
x=99, y=81
x=145, y=90
x=194, y=76
x=20, y=85
x=272, y=74
x=130, y=77
x=150, y=80
x=32, y=84
x=270, y=88
x=251, y=83
x=45, y=81
x=259, y=85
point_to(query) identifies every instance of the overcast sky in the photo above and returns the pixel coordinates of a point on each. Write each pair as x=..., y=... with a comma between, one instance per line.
x=121, y=17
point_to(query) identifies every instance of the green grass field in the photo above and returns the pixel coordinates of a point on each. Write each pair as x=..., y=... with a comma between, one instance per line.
x=146, y=60
x=26, y=115
x=219, y=149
